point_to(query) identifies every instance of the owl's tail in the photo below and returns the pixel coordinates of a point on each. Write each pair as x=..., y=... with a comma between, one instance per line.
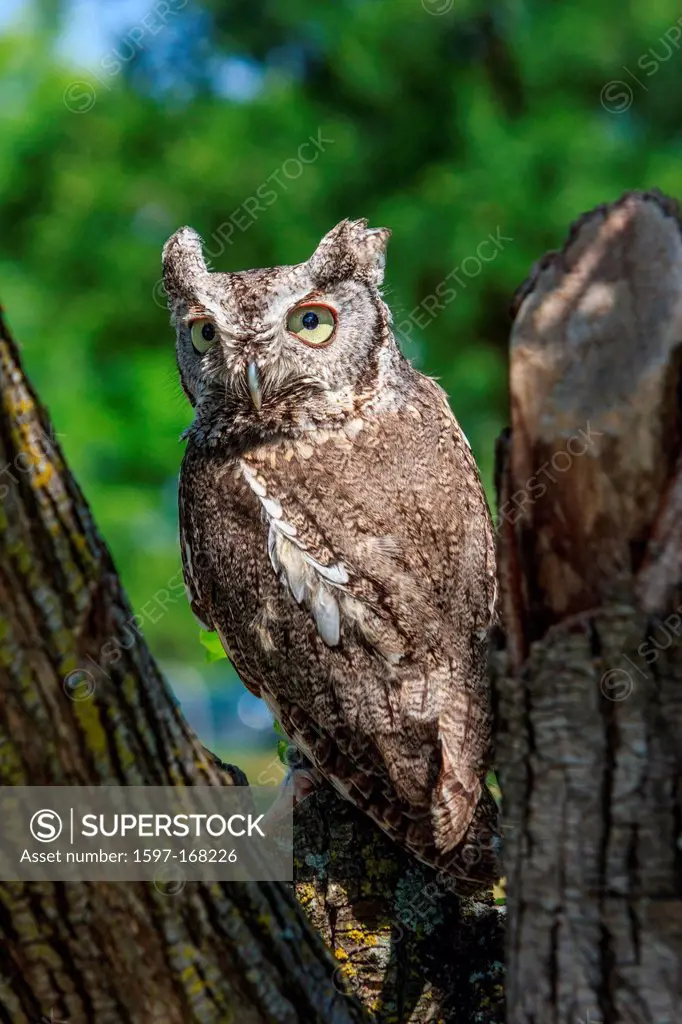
x=464, y=814
x=476, y=859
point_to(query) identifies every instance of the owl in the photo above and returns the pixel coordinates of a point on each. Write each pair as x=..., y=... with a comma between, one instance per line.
x=336, y=536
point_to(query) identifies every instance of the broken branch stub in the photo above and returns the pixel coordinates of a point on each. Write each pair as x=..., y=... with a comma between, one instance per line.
x=591, y=494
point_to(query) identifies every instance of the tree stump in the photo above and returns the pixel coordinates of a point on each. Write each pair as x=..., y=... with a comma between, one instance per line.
x=589, y=682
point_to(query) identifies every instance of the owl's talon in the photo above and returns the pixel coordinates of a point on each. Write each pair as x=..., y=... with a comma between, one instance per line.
x=299, y=783
x=303, y=782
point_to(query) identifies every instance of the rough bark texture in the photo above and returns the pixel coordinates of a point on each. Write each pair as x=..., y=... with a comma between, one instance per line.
x=413, y=950
x=82, y=702
x=589, y=683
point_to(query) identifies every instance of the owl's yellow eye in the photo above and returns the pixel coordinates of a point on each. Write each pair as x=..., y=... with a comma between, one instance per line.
x=312, y=324
x=204, y=335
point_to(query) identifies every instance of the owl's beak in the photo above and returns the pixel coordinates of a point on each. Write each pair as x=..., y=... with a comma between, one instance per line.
x=253, y=381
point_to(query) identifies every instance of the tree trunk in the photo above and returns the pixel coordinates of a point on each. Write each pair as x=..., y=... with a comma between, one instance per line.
x=589, y=684
x=82, y=702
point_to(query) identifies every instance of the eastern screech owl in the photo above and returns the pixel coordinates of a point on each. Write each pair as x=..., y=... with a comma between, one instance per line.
x=335, y=534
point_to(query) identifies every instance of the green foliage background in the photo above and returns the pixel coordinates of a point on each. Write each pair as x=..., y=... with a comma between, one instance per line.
x=444, y=126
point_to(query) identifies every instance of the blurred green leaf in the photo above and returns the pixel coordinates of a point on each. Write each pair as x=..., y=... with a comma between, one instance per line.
x=214, y=650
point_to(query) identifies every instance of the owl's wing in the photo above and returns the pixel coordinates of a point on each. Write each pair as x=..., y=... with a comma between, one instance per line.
x=322, y=568
x=396, y=543
x=402, y=562
x=429, y=722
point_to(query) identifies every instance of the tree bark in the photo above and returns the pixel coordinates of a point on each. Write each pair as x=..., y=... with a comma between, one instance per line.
x=413, y=949
x=588, y=683
x=81, y=703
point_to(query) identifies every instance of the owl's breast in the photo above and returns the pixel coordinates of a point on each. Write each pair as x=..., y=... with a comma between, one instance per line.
x=225, y=534
x=231, y=570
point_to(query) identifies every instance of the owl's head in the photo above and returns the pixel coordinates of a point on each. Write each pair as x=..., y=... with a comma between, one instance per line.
x=281, y=350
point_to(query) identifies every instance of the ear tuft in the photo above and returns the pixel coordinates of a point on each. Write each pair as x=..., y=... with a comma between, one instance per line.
x=351, y=249
x=183, y=261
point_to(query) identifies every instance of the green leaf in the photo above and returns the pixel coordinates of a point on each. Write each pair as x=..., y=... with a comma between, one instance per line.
x=494, y=787
x=283, y=744
x=214, y=648
x=282, y=747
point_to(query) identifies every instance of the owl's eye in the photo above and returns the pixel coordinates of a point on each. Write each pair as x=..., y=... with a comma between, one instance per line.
x=204, y=335
x=312, y=324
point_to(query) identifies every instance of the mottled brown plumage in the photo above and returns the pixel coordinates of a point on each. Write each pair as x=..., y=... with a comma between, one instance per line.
x=335, y=534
